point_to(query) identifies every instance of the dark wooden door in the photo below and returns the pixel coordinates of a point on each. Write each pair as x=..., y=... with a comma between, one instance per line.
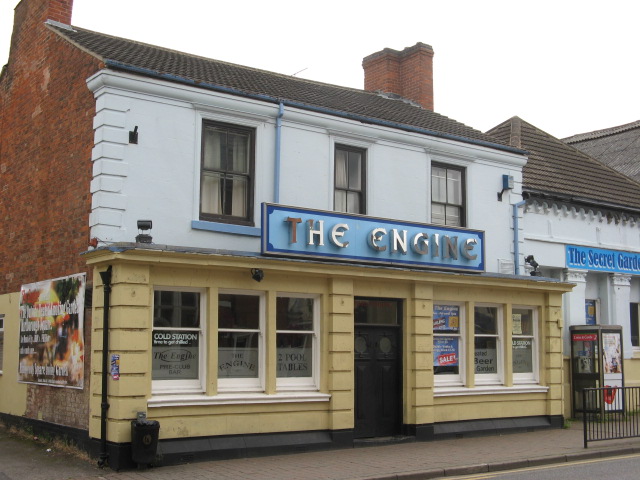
x=378, y=380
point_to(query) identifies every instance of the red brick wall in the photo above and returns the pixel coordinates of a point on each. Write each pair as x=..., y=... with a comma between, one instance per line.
x=46, y=137
x=408, y=73
x=45, y=151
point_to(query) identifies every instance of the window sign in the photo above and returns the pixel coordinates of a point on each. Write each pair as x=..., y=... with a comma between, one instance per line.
x=522, y=355
x=175, y=355
x=446, y=318
x=51, y=332
x=590, y=312
x=486, y=359
x=446, y=352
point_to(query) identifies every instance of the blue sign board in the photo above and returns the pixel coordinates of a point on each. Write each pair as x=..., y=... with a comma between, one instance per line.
x=602, y=260
x=291, y=231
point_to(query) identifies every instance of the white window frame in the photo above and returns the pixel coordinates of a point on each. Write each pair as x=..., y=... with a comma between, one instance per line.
x=451, y=380
x=162, y=387
x=302, y=383
x=532, y=377
x=491, y=378
x=245, y=384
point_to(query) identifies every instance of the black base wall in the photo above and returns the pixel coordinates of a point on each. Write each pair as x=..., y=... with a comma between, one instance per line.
x=187, y=450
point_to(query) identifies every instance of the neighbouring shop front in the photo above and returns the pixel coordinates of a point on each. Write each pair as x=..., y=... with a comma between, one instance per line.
x=305, y=346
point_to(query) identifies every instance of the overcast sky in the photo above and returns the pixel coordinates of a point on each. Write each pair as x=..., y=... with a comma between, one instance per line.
x=566, y=66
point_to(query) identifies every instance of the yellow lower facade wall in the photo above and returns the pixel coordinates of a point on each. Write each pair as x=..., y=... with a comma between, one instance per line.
x=13, y=395
x=137, y=272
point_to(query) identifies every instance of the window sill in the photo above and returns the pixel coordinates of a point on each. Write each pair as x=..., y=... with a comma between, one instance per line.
x=488, y=390
x=225, y=228
x=236, y=399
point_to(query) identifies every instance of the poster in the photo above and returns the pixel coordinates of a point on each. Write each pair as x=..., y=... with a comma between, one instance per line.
x=446, y=318
x=590, y=312
x=445, y=352
x=51, y=349
x=517, y=323
x=612, y=353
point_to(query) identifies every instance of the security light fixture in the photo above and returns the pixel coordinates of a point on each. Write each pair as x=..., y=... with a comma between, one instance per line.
x=507, y=184
x=532, y=261
x=143, y=226
x=257, y=274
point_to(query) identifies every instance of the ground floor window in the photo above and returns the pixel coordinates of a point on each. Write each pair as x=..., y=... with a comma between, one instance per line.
x=296, y=342
x=524, y=348
x=635, y=324
x=177, y=356
x=240, y=341
x=448, y=344
x=488, y=344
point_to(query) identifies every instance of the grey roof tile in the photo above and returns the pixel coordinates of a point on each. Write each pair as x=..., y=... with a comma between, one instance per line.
x=557, y=169
x=200, y=71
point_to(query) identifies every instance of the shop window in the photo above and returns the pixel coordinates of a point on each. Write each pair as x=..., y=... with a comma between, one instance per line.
x=177, y=345
x=590, y=312
x=487, y=344
x=447, y=196
x=296, y=342
x=448, y=344
x=524, y=347
x=240, y=341
x=349, y=195
x=227, y=173
x=635, y=324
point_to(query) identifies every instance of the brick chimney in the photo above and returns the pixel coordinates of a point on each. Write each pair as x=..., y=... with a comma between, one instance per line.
x=408, y=73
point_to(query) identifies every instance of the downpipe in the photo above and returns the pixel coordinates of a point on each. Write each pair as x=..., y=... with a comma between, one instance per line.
x=104, y=405
x=516, y=239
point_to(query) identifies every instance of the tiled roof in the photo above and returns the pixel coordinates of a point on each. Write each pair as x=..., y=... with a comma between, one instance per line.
x=560, y=170
x=207, y=73
x=618, y=147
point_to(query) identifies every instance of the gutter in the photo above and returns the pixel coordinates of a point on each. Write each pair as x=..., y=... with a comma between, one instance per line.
x=303, y=106
x=276, y=182
x=104, y=405
x=516, y=239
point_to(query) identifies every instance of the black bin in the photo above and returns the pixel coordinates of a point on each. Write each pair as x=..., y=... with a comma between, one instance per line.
x=144, y=441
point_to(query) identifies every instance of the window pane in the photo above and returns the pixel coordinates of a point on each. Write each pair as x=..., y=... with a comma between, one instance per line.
x=437, y=214
x=635, y=326
x=377, y=312
x=341, y=169
x=486, y=320
x=175, y=355
x=213, y=149
x=438, y=184
x=446, y=355
x=452, y=216
x=210, y=198
x=353, y=202
x=355, y=170
x=238, y=355
x=522, y=355
x=176, y=309
x=522, y=321
x=486, y=355
x=294, y=314
x=238, y=311
x=295, y=354
x=454, y=187
x=238, y=200
x=340, y=201
x=239, y=144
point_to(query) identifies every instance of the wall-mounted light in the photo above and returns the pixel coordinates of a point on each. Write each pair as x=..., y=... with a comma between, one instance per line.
x=532, y=261
x=133, y=135
x=507, y=184
x=144, y=226
x=257, y=274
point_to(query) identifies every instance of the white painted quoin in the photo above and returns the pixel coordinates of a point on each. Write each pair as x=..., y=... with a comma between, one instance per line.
x=158, y=178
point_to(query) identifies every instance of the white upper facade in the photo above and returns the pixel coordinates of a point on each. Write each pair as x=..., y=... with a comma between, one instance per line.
x=159, y=178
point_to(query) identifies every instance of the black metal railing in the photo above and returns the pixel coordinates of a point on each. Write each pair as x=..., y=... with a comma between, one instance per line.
x=610, y=413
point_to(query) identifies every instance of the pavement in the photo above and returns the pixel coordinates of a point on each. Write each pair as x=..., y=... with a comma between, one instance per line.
x=26, y=458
